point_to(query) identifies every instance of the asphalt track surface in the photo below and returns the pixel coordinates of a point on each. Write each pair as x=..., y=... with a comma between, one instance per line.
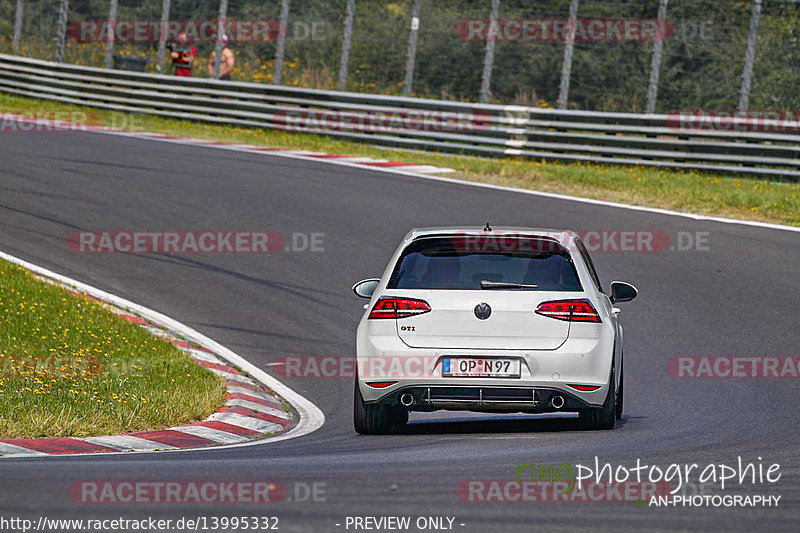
x=738, y=298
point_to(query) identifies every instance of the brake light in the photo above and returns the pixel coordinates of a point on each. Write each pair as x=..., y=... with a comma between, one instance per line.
x=380, y=384
x=398, y=308
x=585, y=388
x=569, y=310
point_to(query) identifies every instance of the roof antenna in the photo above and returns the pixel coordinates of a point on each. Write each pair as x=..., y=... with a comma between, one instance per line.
x=487, y=228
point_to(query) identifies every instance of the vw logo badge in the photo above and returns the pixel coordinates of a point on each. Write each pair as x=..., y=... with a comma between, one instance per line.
x=483, y=311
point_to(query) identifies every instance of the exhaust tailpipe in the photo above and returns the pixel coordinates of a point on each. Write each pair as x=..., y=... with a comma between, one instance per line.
x=557, y=401
x=407, y=399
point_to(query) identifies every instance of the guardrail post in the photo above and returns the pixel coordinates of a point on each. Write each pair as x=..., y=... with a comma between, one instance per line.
x=488, y=58
x=223, y=13
x=749, y=58
x=412, y=48
x=18, y=26
x=61, y=30
x=566, y=66
x=655, y=65
x=112, y=30
x=162, y=34
x=277, y=76
x=347, y=40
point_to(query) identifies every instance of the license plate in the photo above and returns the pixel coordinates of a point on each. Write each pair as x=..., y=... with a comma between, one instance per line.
x=480, y=367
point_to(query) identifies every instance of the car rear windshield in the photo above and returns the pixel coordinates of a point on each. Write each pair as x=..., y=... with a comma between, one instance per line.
x=463, y=262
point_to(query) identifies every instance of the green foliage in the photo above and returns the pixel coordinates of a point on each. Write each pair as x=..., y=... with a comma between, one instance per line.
x=70, y=367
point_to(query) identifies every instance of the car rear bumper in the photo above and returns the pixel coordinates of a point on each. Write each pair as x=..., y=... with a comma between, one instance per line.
x=526, y=398
x=543, y=375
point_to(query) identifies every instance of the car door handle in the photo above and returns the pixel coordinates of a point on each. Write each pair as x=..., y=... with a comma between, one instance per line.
x=615, y=311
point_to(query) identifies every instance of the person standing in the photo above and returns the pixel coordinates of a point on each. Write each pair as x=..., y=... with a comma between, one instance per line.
x=182, y=54
x=226, y=61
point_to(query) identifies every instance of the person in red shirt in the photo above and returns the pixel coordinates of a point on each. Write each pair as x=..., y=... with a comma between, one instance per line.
x=182, y=54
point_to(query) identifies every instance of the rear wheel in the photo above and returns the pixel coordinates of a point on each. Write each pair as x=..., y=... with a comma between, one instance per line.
x=620, y=395
x=399, y=417
x=606, y=416
x=373, y=419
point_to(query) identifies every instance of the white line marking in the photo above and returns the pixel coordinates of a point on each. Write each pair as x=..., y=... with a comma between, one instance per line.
x=350, y=162
x=258, y=408
x=160, y=332
x=14, y=450
x=233, y=377
x=425, y=168
x=353, y=159
x=247, y=422
x=304, y=153
x=203, y=356
x=311, y=417
x=211, y=434
x=128, y=443
x=255, y=394
x=438, y=170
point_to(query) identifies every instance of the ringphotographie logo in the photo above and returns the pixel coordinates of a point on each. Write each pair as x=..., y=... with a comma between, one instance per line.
x=562, y=30
x=645, y=484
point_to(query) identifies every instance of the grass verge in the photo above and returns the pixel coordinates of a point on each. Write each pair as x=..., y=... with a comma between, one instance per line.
x=737, y=197
x=71, y=368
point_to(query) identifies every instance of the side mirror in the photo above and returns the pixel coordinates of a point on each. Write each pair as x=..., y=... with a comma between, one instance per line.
x=622, y=292
x=366, y=287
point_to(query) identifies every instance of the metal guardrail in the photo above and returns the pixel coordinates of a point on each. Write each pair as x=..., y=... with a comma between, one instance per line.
x=477, y=129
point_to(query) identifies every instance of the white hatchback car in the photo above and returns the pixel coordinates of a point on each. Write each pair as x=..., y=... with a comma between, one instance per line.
x=489, y=320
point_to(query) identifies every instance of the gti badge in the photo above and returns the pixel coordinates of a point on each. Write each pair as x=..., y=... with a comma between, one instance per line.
x=483, y=311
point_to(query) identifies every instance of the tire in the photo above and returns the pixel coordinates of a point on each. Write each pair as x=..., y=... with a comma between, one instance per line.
x=620, y=394
x=399, y=417
x=369, y=419
x=606, y=416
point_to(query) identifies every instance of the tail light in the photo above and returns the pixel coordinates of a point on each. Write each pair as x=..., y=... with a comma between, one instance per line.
x=380, y=384
x=585, y=388
x=398, y=308
x=569, y=310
